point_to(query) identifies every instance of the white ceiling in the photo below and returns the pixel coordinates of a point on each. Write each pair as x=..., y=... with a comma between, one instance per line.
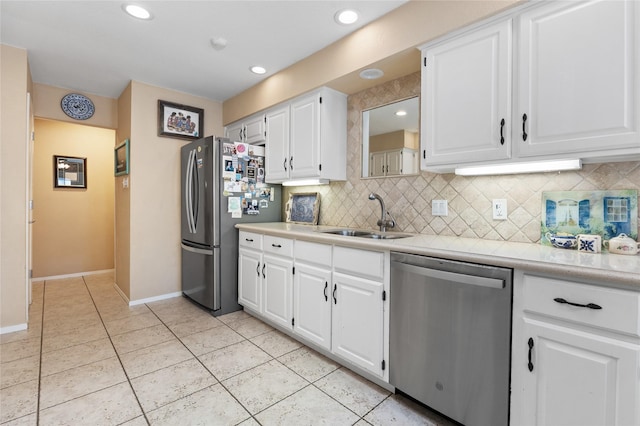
x=93, y=47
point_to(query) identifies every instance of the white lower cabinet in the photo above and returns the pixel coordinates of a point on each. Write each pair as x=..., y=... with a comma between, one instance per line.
x=250, y=270
x=277, y=289
x=357, y=321
x=312, y=293
x=358, y=310
x=329, y=296
x=277, y=284
x=574, y=364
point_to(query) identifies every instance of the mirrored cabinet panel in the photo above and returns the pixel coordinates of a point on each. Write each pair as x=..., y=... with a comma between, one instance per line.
x=390, y=139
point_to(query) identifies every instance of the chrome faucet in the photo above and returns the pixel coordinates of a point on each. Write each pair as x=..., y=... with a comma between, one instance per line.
x=383, y=223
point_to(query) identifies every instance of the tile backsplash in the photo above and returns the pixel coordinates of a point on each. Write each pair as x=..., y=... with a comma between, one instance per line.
x=408, y=198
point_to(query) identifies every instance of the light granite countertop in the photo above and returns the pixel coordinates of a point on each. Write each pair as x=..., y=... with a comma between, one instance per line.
x=603, y=268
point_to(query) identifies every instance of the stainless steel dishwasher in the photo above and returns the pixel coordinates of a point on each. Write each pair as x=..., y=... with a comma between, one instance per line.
x=450, y=336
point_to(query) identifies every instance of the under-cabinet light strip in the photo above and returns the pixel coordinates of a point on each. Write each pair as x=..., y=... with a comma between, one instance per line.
x=513, y=168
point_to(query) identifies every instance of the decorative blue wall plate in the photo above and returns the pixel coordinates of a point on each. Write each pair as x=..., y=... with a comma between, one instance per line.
x=77, y=106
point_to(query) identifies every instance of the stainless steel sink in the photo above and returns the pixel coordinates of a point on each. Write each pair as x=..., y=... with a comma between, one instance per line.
x=347, y=232
x=384, y=236
x=366, y=234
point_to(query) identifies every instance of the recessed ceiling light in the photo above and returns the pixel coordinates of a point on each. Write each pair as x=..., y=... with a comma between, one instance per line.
x=371, y=73
x=137, y=11
x=401, y=113
x=258, y=70
x=346, y=17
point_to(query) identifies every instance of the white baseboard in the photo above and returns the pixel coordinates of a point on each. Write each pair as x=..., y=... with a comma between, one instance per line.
x=155, y=298
x=79, y=274
x=120, y=292
x=13, y=328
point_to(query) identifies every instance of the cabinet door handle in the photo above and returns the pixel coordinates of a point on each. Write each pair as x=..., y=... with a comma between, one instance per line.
x=263, y=275
x=284, y=164
x=588, y=305
x=258, y=269
x=291, y=163
x=326, y=285
x=524, y=121
x=335, y=288
x=501, y=129
x=530, y=343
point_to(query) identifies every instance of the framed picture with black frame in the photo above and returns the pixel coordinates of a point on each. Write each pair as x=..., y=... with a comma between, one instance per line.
x=121, y=159
x=179, y=121
x=69, y=172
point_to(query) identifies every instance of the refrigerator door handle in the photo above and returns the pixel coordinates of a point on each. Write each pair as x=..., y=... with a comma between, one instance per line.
x=195, y=208
x=197, y=250
x=187, y=193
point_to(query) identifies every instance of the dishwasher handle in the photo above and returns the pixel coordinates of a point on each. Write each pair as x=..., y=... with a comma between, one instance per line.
x=449, y=276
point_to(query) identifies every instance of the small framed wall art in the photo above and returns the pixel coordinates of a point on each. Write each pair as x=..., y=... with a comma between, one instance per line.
x=121, y=159
x=303, y=208
x=69, y=172
x=179, y=121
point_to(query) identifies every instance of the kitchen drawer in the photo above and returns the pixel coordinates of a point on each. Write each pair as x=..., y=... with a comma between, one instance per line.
x=319, y=254
x=619, y=313
x=278, y=245
x=359, y=262
x=250, y=240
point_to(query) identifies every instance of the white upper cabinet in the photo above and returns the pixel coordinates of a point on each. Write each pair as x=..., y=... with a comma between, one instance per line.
x=466, y=98
x=235, y=131
x=250, y=130
x=572, y=89
x=578, y=78
x=277, y=147
x=307, y=138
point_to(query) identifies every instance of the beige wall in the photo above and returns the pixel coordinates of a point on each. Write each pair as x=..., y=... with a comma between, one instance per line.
x=395, y=34
x=154, y=179
x=73, y=231
x=123, y=201
x=14, y=85
x=47, y=105
x=409, y=198
x=392, y=140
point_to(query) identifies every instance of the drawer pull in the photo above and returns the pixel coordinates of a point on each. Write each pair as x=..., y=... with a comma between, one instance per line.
x=249, y=240
x=530, y=343
x=276, y=245
x=588, y=305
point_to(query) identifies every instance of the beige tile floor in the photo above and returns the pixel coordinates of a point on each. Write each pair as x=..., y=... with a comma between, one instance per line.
x=90, y=359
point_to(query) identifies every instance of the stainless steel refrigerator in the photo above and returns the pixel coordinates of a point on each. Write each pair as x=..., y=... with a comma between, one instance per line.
x=222, y=184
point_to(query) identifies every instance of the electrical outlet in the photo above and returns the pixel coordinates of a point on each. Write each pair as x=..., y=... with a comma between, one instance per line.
x=499, y=209
x=439, y=208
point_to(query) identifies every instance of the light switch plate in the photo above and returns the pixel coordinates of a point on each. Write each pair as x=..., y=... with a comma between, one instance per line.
x=499, y=209
x=439, y=208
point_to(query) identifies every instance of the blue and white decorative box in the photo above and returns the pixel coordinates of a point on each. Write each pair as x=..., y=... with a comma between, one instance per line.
x=589, y=243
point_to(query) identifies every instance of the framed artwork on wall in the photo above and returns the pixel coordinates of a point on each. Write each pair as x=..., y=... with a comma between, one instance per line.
x=69, y=172
x=179, y=121
x=121, y=159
